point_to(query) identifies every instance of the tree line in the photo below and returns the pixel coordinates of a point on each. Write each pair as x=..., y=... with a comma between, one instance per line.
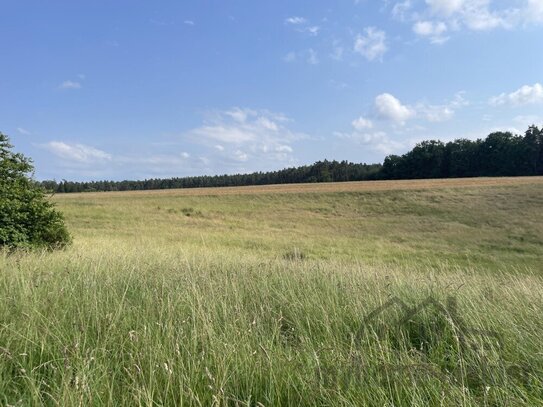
x=499, y=154
x=322, y=171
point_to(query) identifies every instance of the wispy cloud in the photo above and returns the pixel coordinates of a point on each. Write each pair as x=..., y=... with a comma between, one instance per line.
x=309, y=55
x=80, y=153
x=70, y=85
x=376, y=141
x=372, y=44
x=295, y=20
x=23, y=131
x=312, y=57
x=301, y=24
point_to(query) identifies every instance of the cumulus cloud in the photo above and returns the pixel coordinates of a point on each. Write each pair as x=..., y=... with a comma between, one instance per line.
x=433, y=30
x=80, y=153
x=390, y=108
x=372, y=45
x=527, y=94
x=362, y=123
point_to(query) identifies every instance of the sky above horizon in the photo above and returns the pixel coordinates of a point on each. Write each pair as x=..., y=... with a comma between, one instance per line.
x=142, y=89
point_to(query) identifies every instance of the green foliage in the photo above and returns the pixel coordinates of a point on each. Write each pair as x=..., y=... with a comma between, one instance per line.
x=500, y=154
x=27, y=218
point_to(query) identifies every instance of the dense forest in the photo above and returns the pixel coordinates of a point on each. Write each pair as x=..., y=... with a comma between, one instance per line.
x=499, y=154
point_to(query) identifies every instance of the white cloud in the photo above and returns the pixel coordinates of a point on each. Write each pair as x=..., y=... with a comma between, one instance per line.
x=433, y=16
x=70, y=85
x=474, y=14
x=401, y=9
x=240, y=115
x=77, y=152
x=295, y=20
x=312, y=30
x=362, y=124
x=390, y=108
x=527, y=94
x=432, y=30
x=188, y=22
x=445, y=7
x=376, y=141
x=534, y=10
x=301, y=25
x=240, y=156
x=247, y=135
x=434, y=113
x=23, y=131
x=226, y=134
x=440, y=113
x=372, y=45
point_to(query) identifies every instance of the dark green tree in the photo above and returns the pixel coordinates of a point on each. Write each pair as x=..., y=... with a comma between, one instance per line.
x=27, y=218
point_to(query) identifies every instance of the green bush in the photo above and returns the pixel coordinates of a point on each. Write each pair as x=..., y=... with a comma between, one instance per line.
x=27, y=218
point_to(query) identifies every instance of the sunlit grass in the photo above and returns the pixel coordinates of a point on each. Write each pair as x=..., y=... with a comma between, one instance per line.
x=263, y=300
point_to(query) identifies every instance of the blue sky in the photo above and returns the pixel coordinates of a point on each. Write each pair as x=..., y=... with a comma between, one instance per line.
x=135, y=89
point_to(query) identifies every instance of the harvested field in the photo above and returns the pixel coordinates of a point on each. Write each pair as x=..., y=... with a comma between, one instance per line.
x=358, y=186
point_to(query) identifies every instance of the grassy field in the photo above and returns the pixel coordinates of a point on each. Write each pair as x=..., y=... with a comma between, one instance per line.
x=267, y=296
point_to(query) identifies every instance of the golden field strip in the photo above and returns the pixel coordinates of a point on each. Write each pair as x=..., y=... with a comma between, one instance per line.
x=261, y=296
x=354, y=186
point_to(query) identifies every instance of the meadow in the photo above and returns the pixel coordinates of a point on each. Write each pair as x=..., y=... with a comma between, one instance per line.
x=276, y=296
